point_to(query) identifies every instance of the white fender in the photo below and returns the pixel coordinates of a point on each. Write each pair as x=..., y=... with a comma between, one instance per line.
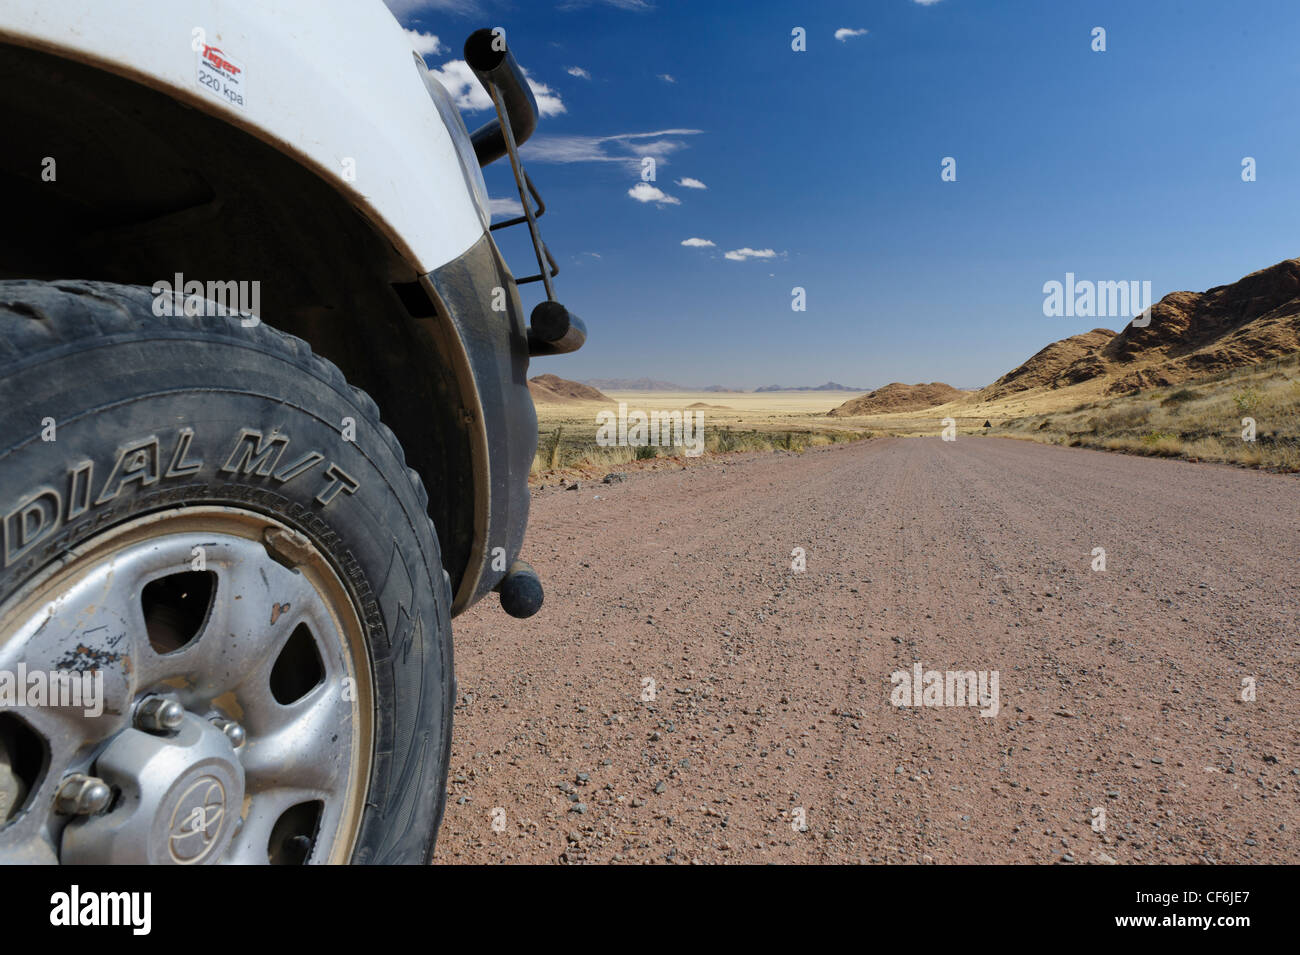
x=325, y=81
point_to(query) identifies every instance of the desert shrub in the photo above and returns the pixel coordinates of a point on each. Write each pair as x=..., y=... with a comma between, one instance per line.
x=1178, y=397
x=1246, y=400
x=1122, y=418
x=608, y=458
x=720, y=441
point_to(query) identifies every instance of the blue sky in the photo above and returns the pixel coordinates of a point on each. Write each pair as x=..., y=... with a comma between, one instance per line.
x=1116, y=165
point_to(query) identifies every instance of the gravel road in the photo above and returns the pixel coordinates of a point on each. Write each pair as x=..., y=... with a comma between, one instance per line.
x=1120, y=733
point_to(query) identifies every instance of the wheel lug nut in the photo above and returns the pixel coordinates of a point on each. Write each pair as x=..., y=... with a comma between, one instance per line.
x=82, y=795
x=158, y=714
x=234, y=732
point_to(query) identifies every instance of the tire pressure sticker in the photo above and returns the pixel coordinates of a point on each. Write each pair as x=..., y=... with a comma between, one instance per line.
x=220, y=75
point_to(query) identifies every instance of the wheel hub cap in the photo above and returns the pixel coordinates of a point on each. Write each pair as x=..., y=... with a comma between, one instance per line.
x=233, y=718
x=179, y=798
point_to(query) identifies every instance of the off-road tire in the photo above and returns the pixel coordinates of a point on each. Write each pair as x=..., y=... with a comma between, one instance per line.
x=88, y=372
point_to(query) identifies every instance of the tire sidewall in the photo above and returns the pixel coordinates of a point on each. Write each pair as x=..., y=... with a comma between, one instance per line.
x=103, y=430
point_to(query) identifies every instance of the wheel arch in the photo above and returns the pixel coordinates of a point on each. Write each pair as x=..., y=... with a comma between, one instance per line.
x=148, y=186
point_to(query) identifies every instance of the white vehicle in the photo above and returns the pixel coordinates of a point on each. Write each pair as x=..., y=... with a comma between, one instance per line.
x=264, y=426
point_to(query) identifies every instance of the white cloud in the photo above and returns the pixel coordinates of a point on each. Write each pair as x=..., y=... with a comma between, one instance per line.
x=698, y=243
x=619, y=4
x=661, y=149
x=686, y=182
x=468, y=92
x=925, y=3
x=548, y=101
x=644, y=192
x=564, y=149
x=843, y=33
x=464, y=87
x=626, y=148
x=425, y=44
x=579, y=72
x=740, y=255
x=505, y=207
x=668, y=77
x=401, y=8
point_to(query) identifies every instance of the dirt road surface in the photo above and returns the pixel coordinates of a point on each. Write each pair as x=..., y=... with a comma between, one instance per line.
x=1122, y=733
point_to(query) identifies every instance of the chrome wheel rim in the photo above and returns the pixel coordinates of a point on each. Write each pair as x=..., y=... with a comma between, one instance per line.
x=232, y=720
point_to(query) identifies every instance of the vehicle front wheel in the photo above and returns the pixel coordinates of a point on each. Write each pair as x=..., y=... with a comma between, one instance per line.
x=224, y=623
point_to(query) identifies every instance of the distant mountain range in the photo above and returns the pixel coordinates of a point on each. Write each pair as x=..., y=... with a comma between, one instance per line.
x=829, y=386
x=1187, y=336
x=633, y=384
x=653, y=384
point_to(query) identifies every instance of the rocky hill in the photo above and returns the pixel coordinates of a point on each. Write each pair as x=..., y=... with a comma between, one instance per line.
x=552, y=389
x=1190, y=335
x=897, y=396
x=1052, y=366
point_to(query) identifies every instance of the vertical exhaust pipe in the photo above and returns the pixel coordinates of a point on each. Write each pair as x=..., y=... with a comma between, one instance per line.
x=490, y=59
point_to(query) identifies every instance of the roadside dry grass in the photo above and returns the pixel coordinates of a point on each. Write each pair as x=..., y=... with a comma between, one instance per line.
x=1199, y=420
x=566, y=441
x=572, y=447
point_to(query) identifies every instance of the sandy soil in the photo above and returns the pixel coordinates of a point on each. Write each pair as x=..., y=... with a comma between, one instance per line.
x=1120, y=690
